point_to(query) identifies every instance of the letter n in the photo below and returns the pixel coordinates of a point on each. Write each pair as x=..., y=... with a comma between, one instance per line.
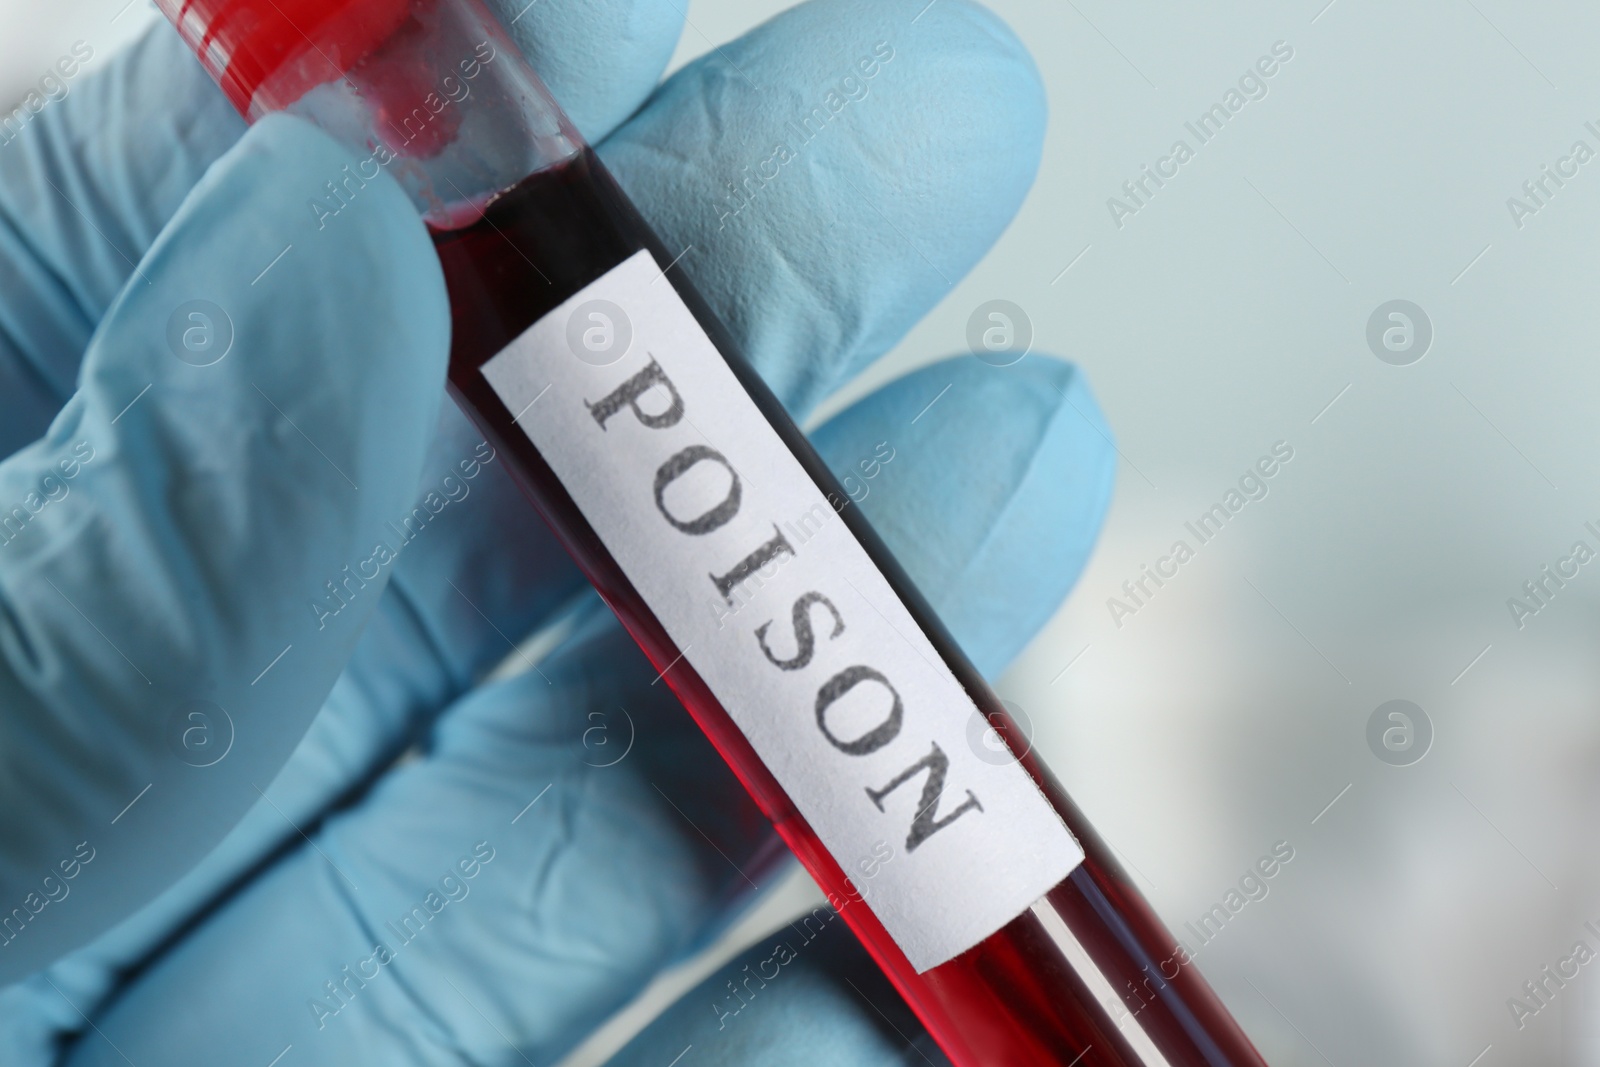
x=923, y=824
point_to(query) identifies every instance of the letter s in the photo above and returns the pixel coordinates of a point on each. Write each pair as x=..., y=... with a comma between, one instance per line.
x=804, y=637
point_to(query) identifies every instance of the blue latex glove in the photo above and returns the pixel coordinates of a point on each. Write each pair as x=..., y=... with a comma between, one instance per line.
x=184, y=555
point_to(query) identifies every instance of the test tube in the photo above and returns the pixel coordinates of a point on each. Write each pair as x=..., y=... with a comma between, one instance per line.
x=675, y=479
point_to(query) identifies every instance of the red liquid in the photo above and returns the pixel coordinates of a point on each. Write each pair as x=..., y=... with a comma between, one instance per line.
x=1017, y=998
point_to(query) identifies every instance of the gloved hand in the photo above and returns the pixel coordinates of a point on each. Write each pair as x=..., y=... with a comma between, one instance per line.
x=172, y=701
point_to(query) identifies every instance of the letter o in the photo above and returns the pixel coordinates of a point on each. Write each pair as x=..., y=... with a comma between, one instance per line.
x=677, y=465
x=873, y=739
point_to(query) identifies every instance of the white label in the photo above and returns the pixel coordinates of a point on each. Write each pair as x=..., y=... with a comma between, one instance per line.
x=773, y=601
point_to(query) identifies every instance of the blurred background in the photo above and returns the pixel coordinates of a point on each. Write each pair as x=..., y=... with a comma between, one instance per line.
x=1445, y=451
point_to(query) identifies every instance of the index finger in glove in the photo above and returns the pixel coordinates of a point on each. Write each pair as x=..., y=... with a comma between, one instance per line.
x=223, y=465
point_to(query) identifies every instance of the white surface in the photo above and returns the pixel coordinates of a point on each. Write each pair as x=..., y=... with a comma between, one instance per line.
x=991, y=844
x=1227, y=315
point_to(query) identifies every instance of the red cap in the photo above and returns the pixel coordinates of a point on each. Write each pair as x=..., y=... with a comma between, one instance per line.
x=267, y=53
